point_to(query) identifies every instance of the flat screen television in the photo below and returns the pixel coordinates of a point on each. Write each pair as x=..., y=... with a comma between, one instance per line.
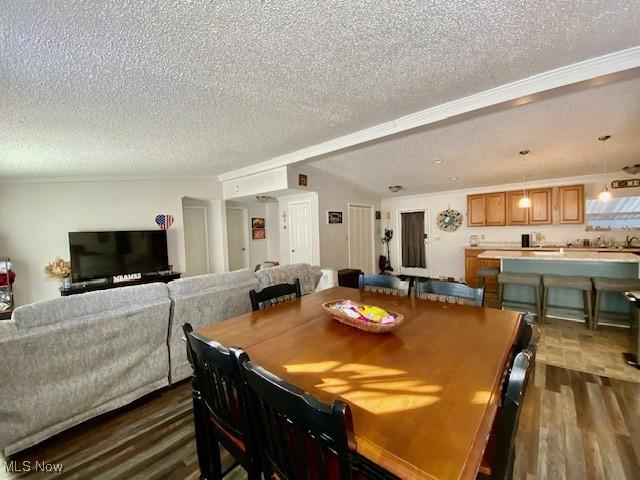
x=105, y=254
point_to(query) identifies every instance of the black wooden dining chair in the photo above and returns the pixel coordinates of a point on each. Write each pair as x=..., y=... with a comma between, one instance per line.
x=499, y=456
x=300, y=437
x=275, y=294
x=220, y=407
x=528, y=334
x=449, y=292
x=388, y=284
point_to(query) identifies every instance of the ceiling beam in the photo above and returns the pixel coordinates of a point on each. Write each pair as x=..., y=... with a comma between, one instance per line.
x=560, y=77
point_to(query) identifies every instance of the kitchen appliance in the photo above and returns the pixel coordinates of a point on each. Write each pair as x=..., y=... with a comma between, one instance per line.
x=526, y=240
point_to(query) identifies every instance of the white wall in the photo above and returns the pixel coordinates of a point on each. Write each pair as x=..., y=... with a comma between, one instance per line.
x=273, y=233
x=35, y=219
x=447, y=249
x=336, y=196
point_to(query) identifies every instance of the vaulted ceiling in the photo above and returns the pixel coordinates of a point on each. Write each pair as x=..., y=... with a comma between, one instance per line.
x=561, y=133
x=179, y=88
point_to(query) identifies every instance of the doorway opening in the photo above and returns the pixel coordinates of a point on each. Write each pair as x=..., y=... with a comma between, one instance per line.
x=413, y=242
x=195, y=217
x=238, y=238
x=361, y=238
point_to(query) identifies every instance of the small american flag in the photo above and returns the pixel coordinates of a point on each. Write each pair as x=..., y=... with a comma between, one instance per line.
x=164, y=221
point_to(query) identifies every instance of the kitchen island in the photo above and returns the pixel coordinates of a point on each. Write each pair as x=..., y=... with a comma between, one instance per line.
x=615, y=308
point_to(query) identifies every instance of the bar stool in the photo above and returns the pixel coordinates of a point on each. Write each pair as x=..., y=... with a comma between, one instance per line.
x=486, y=272
x=517, y=278
x=606, y=284
x=573, y=282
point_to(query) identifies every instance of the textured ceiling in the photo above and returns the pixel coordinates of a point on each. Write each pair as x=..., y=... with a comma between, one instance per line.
x=561, y=132
x=175, y=87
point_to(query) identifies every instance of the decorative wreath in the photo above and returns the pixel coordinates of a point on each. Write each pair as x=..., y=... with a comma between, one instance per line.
x=449, y=220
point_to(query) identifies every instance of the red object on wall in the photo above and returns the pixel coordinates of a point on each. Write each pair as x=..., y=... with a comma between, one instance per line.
x=3, y=278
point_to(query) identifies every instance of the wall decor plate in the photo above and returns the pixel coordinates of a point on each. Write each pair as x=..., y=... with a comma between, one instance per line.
x=164, y=221
x=449, y=220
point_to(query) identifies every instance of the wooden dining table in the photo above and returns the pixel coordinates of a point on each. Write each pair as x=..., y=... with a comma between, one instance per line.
x=423, y=397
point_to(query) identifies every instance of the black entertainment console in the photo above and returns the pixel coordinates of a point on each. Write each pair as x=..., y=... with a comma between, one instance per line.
x=104, y=284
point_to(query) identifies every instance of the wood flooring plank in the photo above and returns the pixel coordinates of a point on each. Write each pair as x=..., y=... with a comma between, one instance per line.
x=574, y=426
x=605, y=435
x=630, y=461
x=593, y=459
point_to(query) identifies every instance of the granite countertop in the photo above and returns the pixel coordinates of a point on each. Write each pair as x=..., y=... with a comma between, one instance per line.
x=565, y=256
x=549, y=248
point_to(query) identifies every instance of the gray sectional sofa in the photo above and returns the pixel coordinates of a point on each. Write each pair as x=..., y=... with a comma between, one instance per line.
x=69, y=359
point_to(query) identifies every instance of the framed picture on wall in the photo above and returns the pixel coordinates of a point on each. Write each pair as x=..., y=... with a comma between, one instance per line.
x=258, y=234
x=257, y=222
x=334, y=217
x=302, y=180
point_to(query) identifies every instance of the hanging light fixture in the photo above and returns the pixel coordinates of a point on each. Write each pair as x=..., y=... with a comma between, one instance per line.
x=605, y=195
x=525, y=201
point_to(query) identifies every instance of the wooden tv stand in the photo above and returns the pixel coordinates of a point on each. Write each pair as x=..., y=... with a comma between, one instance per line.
x=92, y=286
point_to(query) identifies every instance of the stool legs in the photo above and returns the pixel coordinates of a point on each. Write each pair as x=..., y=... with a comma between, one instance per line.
x=538, y=302
x=587, y=308
x=545, y=299
x=596, y=313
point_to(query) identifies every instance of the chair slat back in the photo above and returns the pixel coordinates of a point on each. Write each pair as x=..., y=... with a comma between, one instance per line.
x=509, y=414
x=275, y=294
x=300, y=437
x=217, y=372
x=528, y=333
x=449, y=292
x=389, y=284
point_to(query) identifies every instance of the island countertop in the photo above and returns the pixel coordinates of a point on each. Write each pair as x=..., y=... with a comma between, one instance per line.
x=566, y=256
x=548, y=248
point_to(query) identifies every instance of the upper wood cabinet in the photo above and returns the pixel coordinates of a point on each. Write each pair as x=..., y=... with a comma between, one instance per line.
x=495, y=209
x=476, y=210
x=515, y=214
x=571, y=204
x=540, y=212
x=563, y=204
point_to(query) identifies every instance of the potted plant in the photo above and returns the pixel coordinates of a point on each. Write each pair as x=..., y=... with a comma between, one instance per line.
x=60, y=269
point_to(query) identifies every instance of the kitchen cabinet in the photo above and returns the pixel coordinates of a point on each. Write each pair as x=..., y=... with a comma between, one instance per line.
x=571, y=204
x=557, y=205
x=515, y=214
x=495, y=209
x=540, y=212
x=476, y=210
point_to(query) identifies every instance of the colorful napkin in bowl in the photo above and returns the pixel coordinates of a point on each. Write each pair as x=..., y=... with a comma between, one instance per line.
x=365, y=313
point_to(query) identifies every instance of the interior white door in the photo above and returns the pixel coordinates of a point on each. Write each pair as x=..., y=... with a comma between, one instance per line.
x=406, y=262
x=361, y=238
x=236, y=239
x=300, y=232
x=196, y=240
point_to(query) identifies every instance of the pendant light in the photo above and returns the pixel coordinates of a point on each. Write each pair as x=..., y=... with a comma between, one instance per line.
x=525, y=201
x=605, y=195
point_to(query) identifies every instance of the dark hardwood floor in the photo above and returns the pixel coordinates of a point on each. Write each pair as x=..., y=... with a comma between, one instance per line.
x=574, y=426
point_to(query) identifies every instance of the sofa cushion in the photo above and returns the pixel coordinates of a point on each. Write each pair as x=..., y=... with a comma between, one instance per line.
x=202, y=283
x=203, y=302
x=50, y=312
x=308, y=275
x=7, y=326
x=78, y=364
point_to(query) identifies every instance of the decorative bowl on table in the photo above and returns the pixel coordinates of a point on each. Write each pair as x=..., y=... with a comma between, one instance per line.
x=355, y=315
